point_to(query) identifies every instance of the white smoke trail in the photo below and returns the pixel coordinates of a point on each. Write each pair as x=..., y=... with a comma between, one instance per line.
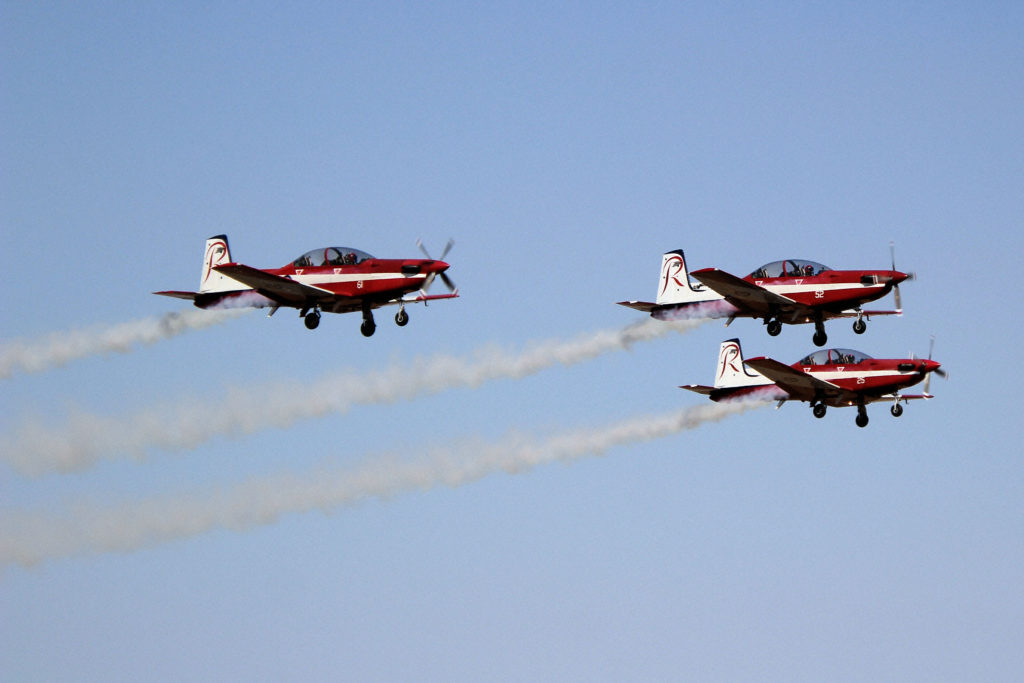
x=29, y=538
x=59, y=348
x=37, y=449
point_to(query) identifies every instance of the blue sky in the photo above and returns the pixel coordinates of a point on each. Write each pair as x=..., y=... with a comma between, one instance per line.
x=565, y=149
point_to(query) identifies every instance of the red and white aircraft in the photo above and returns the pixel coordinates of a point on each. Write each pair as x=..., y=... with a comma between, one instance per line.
x=332, y=279
x=791, y=291
x=827, y=377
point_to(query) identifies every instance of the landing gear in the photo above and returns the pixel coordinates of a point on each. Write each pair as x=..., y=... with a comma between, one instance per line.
x=401, y=318
x=774, y=327
x=312, y=320
x=859, y=326
x=368, y=327
x=819, y=337
x=819, y=409
x=862, y=416
x=896, y=410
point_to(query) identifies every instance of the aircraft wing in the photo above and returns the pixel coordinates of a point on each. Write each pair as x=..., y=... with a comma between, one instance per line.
x=797, y=384
x=742, y=294
x=280, y=289
x=866, y=314
x=644, y=306
x=420, y=297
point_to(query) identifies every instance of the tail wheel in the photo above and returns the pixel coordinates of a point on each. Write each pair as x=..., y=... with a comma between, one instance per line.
x=774, y=327
x=401, y=318
x=819, y=410
x=312, y=320
x=896, y=410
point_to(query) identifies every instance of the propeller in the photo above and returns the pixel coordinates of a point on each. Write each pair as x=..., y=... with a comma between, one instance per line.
x=444, y=277
x=938, y=371
x=896, y=287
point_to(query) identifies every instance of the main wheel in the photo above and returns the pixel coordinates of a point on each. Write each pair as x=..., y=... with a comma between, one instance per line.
x=896, y=410
x=401, y=318
x=819, y=409
x=368, y=328
x=819, y=338
x=859, y=326
x=312, y=320
x=862, y=419
x=774, y=327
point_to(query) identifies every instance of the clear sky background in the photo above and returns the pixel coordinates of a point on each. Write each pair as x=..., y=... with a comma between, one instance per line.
x=565, y=149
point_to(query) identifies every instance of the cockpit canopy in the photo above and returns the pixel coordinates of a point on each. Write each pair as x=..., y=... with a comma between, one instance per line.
x=331, y=256
x=788, y=268
x=835, y=357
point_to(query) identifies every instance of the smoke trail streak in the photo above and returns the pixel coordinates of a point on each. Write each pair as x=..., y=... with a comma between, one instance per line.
x=27, y=538
x=37, y=449
x=59, y=348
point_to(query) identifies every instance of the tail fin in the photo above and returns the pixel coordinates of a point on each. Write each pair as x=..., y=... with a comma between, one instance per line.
x=674, y=286
x=731, y=372
x=217, y=253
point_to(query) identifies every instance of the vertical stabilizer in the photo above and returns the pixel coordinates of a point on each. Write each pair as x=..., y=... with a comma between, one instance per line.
x=674, y=286
x=731, y=373
x=217, y=253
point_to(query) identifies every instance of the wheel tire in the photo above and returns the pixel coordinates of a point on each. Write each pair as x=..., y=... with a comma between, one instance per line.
x=819, y=410
x=401, y=318
x=859, y=326
x=896, y=410
x=862, y=420
x=368, y=328
x=312, y=320
x=819, y=338
x=774, y=328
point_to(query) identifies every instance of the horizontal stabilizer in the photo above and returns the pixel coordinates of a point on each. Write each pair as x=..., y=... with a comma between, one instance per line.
x=188, y=296
x=699, y=388
x=644, y=306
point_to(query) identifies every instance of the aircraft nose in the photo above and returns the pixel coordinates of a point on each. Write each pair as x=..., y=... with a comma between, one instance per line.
x=931, y=365
x=439, y=267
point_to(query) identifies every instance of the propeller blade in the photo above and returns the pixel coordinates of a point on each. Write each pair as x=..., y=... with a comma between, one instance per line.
x=429, y=281
x=941, y=373
x=892, y=254
x=447, y=248
x=896, y=294
x=419, y=243
x=448, y=282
